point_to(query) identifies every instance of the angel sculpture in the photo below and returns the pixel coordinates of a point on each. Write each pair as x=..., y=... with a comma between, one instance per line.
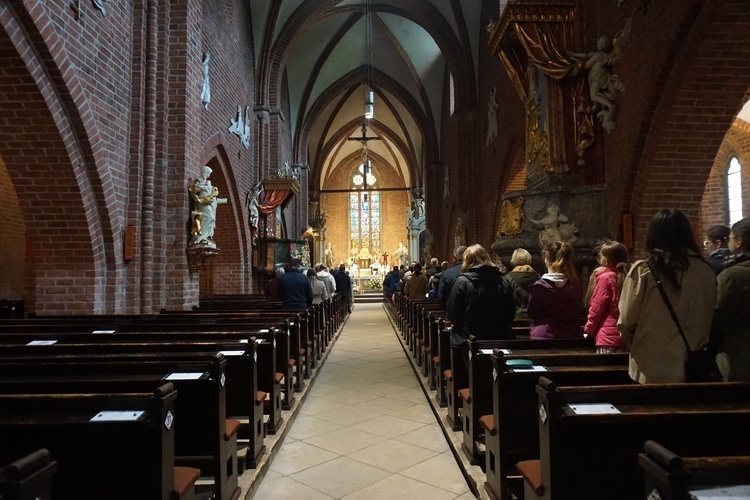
x=604, y=86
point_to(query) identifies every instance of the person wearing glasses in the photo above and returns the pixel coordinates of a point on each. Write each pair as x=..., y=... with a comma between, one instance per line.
x=730, y=331
x=716, y=246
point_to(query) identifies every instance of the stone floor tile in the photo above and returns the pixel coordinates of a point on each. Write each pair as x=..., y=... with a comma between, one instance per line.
x=344, y=441
x=448, y=478
x=298, y=456
x=285, y=488
x=393, y=455
x=340, y=477
x=400, y=487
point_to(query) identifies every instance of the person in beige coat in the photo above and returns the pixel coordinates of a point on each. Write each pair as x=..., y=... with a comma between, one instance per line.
x=416, y=287
x=657, y=352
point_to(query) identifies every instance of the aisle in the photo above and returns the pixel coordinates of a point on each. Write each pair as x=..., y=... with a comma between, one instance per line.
x=365, y=430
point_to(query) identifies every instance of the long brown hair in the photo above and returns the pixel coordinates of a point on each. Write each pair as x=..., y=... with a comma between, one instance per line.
x=617, y=257
x=560, y=259
x=475, y=255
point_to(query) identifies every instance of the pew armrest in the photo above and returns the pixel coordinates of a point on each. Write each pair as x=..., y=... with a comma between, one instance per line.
x=184, y=480
x=531, y=470
x=488, y=422
x=465, y=394
x=232, y=426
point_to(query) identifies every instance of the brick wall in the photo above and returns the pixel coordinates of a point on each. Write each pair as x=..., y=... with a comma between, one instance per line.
x=103, y=128
x=12, y=234
x=714, y=206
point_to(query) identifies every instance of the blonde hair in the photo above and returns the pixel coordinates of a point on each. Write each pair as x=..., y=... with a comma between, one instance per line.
x=520, y=257
x=475, y=255
x=559, y=257
x=617, y=256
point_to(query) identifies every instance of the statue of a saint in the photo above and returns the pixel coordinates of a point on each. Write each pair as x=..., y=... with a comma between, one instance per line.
x=305, y=255
x=252, y=201
x=604, y=86
x=400, y=256
x=329, y=256
x=206, y=93
x=205, y=200
x=492, y=106
x=555, y=227
x=446, y=181
x=459, y=233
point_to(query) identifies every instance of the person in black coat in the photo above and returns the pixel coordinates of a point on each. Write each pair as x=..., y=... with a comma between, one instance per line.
x=480, y=305
x=343, y=285
x=448, y=277
x=296, y=291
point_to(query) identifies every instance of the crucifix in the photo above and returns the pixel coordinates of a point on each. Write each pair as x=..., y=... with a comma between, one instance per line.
x=364, y=139
x=77, y=9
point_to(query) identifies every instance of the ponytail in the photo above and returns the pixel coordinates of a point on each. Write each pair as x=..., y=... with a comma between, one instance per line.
x=560, y=259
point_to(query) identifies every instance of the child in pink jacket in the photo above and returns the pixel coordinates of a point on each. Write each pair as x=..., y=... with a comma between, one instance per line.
x=603, y=312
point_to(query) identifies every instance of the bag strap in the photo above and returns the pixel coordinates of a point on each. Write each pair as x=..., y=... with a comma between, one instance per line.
x=668, y=303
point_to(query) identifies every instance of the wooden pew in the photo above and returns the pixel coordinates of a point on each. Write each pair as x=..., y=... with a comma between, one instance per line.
x=512, y=433
x=672, y=477
x=268, y=377
x=478, y=400
x=250, y=374
x=29, y=477
x=593, y=454
x=287, y=335
x=116, y=459
x=204, y=438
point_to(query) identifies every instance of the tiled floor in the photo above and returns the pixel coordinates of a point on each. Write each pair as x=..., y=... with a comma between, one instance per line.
x=366, y=430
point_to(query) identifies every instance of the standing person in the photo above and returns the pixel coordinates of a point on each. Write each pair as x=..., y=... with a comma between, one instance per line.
x=327, y=278
x=448, y=276
x=595, y=272
x=520, y=279
x=717, y=246
x=433, y=293
x=433, y=269
x=730, y=331
x=657, y=352
x=604, y=311
x=555, y=300
x=296, y=291
x=273, y=286
x=480, y=305
x=416, y=285
x=344, y=286
x=319, y=289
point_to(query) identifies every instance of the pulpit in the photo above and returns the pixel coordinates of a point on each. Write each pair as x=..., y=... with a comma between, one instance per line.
x=364, y=263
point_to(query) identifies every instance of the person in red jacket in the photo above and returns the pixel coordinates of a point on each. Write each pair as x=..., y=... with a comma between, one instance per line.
x=604, y=311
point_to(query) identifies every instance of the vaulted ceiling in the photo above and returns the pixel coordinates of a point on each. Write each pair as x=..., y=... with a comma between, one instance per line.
x=332, y=52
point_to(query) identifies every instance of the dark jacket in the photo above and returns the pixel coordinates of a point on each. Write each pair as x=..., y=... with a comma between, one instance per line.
x=296, y=291
x=343, y=283
x=716, y=259
x=555, y=306
x=273, y=290
x=447, y=278
x=481, y=304
x=520, y=279
x=730, y=331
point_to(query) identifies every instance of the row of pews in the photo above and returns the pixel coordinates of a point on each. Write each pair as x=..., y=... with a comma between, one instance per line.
x=171, y=406
x=552, y=419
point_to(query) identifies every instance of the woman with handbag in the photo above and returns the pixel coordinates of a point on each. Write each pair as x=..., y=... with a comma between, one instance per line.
x=667, y=301
x=730, y=333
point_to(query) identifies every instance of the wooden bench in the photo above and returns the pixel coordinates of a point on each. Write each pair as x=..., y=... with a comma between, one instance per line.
x=250, y=375
x=121, y=458
x=587, y=452
x=511, y=431
x=204, y=437
x=29, y=477
x=286, y=334
x=671, y=477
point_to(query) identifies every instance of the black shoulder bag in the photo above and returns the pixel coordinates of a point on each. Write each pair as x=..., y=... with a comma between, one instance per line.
x=700, y=365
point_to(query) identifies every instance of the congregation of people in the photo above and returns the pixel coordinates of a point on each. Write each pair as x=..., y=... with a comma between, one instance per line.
x=297, y=290
x=674, y=299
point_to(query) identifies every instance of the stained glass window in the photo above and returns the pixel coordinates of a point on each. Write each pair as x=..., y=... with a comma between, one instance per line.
x=734, y=190
x=364, y=215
